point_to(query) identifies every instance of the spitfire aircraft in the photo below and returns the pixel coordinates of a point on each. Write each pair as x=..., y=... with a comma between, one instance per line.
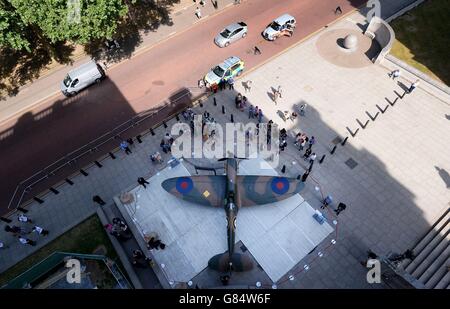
x=232, y=191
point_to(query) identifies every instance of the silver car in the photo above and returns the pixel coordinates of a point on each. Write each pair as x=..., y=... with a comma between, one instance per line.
x=231, y=34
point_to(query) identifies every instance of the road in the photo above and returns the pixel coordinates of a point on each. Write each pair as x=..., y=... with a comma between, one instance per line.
x=60, y=125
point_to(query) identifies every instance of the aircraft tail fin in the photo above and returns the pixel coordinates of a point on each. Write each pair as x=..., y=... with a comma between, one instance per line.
x=239, y=262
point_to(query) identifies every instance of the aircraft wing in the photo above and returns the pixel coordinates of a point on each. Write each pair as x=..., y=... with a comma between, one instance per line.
x=258, y=190
x=208, y=190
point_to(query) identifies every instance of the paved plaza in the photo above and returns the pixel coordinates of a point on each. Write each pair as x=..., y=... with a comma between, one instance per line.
x=393, y=174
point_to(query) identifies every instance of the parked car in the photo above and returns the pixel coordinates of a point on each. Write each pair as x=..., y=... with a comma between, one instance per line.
x=231, y=67
x=231, y=34
x=283, y=25
x=81, y=77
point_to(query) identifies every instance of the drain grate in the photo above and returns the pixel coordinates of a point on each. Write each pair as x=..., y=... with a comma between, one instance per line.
x=337, y=140
x=351, y=163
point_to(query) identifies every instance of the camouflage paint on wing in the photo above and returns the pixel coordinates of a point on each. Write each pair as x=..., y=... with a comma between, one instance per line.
x=258, y=190
x=205, y=190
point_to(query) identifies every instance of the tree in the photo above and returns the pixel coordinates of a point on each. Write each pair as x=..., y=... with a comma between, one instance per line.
x=14, y=33
x=79, y=21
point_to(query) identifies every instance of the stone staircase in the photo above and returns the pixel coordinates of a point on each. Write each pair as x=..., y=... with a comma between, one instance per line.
x=431, y=266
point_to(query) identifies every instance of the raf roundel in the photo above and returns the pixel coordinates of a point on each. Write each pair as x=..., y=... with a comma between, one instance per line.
x=280, y=185
x=184, y=185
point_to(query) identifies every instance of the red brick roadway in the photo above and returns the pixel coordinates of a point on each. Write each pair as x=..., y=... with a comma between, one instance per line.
x=137, y=86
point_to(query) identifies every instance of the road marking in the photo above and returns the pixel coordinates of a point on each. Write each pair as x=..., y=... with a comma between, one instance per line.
x=172, y=33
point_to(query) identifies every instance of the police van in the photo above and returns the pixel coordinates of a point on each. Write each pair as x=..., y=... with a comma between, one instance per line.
x=230, y=68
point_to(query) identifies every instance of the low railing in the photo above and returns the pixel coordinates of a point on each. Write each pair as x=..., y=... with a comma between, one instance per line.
x=71, y=159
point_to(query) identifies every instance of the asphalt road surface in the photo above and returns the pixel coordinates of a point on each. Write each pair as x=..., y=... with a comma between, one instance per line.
x=61, y=125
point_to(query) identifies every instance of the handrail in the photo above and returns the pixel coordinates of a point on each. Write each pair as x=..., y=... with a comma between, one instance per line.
x=91, y=146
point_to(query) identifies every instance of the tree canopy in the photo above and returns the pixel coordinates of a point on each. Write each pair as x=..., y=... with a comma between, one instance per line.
x=78, y=21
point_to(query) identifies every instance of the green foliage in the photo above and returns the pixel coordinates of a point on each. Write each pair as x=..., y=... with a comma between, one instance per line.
x=13, y=31
x=77, y=21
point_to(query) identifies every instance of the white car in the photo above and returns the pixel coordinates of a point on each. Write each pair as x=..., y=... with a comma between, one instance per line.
x=283, y=25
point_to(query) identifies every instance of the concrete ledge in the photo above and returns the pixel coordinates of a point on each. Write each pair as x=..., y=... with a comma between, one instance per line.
x=120, y=252
x=383, y=33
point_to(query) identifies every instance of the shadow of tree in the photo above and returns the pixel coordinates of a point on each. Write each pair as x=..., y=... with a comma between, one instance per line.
x=143, y=17
x=20, y=67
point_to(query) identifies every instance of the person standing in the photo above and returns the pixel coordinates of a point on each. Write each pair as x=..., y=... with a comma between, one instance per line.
x=280, y=91
x=248, y=86
x=198, y=13
x=312, y=158
x=97, y=199
x=26, y=241
x=231, y=83
x=250, y=112
x=260, y=115
x=302, y=109
x=24, y=219
x=394, y=74
x=125, y=147
x=341, y=207
x=413, y=86
x=338, y=10
x=307, y=154
x=143, y=182
x=39, y=230
x=256, y=51
x=312, y=141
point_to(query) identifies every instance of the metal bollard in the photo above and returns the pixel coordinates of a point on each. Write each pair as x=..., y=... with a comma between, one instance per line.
x=232, y=118
x=70, y=182
x=22, y=210
x=321, y=159
x=38, y=200
x=5, y=220
x=152, y=132
x=344, y=141
x=111, y=155
x=165, y=124
x=223, y=109
x=283, y=169
x=83, y=172
x=54, y=190
x=138, y=138
x=215, y=102
x=333, y=150
x=98, y=164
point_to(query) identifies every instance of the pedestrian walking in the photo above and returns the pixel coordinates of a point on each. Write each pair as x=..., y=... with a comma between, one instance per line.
x=26, y=241
x=338, y=10
x=305, y=175
x=231, y=83
x=260, y=115
x=24, y=219
x=394, y=74
x=413, y=86
x=125, y=146
x=280, y=91
x=198, y=13
x=143, y=182
x=39, y=230
x=311, y=142
x=248, y=86
x=275, y=97
x=312, y=157
x=327, y=201
x=3, y=246
x=307, y=154
x=97, y=199
x=341, y=207
x=302, y=109
x=256, y=51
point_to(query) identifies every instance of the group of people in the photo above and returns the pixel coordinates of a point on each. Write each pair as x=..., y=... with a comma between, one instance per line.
x=21, y=231
x=119, y=229
x=166, y=143
x=328, y=200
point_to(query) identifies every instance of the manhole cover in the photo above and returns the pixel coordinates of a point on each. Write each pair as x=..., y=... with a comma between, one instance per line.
x=337, y=140
x=351, y=163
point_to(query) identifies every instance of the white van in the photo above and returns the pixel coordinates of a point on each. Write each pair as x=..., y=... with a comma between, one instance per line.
x=81, y=77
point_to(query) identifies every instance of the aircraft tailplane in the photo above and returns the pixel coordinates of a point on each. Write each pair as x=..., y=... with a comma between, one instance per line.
x=239, y=262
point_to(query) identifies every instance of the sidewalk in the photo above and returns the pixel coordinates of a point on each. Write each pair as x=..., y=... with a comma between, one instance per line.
x=48, y=86
x=387, y=174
